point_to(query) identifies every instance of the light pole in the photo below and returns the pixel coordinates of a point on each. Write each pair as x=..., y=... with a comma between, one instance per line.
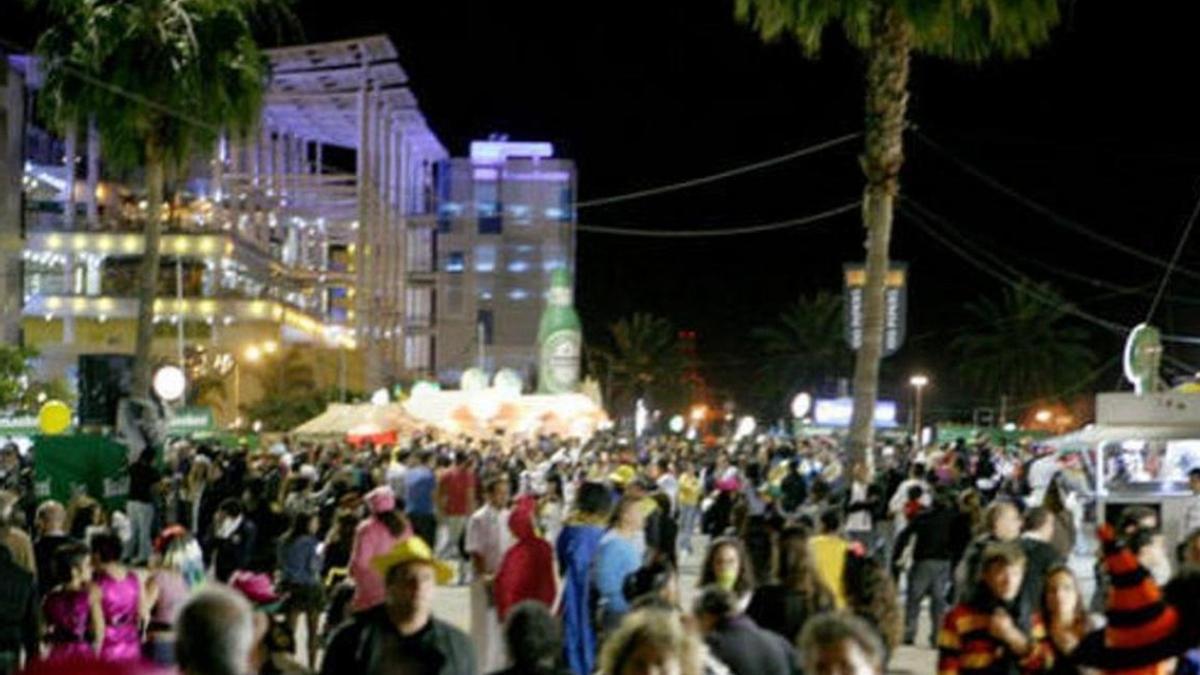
x=918, y=383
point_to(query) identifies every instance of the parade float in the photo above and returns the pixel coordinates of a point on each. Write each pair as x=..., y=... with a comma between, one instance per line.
x=1143, y=442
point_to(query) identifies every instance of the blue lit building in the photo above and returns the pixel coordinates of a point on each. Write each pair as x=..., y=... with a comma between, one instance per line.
x=505, y=220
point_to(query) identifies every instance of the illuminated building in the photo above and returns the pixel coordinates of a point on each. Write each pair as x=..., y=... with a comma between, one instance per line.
x=505, y=221
x=301, y=232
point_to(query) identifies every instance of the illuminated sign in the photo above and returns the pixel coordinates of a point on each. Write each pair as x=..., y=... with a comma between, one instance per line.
x=835, y=412
x=495, y=152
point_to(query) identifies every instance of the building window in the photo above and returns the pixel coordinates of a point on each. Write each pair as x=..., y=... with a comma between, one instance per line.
x=566, y=205
x=491, y=224
x=455, y=262
x=484, y=318
x=488, y=207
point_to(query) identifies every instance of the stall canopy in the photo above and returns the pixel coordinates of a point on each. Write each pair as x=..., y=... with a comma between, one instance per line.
x=486, y=412
x=1095, y=434
x=359, y=423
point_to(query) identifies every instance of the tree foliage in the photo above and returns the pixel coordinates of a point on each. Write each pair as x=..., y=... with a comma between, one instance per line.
x=171, y=73
x=804, y=349
x=1022, y=346
x=290, y=395
x=642, y=359
x=14, y=373
x=968, y=31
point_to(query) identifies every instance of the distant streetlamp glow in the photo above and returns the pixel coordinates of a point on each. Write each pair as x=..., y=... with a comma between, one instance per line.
x=699, y=412
x=1043, y=416
x=801, y=404
x=253, y=353
x=270, y=347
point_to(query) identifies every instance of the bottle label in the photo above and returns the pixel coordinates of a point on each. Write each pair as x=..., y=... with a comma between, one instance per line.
x=560, y=361
x=559, y=296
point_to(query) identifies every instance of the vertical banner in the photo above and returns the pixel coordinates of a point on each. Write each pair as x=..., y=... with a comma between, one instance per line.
x=895, y=305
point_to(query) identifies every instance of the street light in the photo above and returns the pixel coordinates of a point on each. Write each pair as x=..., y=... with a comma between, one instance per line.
x=918, y=383
x=1043, y=416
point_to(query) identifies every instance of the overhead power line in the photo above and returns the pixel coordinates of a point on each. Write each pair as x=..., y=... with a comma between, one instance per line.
x=1060, y=303
x=723, y=232
x=1183, y=237
x=1022, y=282
x=730, y=173
x=1046, y=211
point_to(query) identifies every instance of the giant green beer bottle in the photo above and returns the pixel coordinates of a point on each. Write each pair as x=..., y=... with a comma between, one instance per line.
x=560, y=339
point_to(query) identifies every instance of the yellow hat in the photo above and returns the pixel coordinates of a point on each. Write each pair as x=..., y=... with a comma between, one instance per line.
x=412, y=549
x=623, y=475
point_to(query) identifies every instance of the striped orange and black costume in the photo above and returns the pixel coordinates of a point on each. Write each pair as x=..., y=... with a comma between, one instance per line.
x=966, y=647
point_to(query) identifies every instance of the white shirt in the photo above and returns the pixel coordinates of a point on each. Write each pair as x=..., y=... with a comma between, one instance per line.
x=670, y=487
x=896, y=504
x=859, y=521
x=488, y=536
x=394, y=475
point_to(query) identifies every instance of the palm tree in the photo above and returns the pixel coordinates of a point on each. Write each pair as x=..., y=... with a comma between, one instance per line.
x=162, y=79
x=804, y=348
x=888, y=32
x=290, y=395
x=642, y=360
x=1022, y=347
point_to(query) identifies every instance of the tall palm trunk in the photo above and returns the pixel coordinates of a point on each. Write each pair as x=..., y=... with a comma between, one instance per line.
x=148, y=274
x=887, y=99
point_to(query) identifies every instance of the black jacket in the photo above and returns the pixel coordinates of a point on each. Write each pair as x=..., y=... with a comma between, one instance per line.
x=18, y=607
x=233, y=553
x=934, y=530
x=354, y=647
x=1039, y=558
x=749, y=650
x=785, y=611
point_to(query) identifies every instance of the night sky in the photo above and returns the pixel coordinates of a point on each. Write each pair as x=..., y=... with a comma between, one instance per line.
x=1099, y=126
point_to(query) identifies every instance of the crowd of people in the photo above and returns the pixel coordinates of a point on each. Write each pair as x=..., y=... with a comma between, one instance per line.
x=319, y=557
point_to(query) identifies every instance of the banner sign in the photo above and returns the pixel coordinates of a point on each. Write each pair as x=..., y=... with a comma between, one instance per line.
x=68, y=465
x=895, y=306
x=190, y=420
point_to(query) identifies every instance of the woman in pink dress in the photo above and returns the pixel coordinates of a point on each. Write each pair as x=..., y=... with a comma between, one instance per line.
x=375, y=536
x=120, y=600
x=71, y=610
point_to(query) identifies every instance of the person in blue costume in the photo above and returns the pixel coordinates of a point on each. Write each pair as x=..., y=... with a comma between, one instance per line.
x=618, y=557
x=577, y=545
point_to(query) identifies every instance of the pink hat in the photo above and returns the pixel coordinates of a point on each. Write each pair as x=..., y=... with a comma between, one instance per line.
x=381, y=499
x=728, y=484
x=257, y=587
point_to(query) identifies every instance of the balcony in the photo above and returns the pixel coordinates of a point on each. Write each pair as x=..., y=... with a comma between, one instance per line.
x=209, y=310
x=205, y=246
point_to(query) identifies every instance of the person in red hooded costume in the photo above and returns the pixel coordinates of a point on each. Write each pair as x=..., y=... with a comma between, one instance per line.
x=527, y=571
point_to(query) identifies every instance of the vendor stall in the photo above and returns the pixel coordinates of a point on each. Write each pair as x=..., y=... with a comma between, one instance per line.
x=1140, y=450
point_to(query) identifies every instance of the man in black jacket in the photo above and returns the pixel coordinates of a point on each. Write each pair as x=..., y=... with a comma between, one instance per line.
x=402, y=635
x=740, y=643
x=18, y=613
x=232, y=539
x=930, y=573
